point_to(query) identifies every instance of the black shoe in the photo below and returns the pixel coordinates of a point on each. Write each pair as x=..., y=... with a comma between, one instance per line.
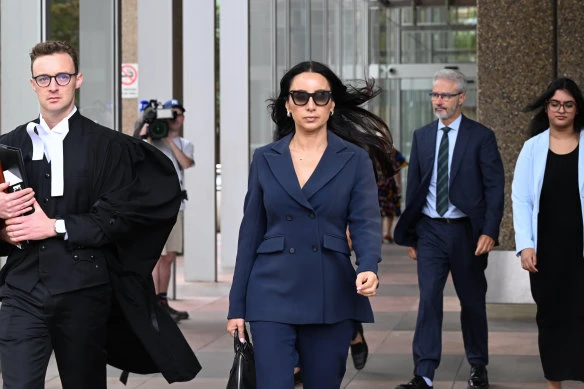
x=478, y=377
x=416, y=383
x=176, y=315
x=359, y=351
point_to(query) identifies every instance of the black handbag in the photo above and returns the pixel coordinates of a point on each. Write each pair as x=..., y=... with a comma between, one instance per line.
x=242, y=374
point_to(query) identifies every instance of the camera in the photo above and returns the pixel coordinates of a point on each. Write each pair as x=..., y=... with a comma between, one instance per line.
x=157, y=119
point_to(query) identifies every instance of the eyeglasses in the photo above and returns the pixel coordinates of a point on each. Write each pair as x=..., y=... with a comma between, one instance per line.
x=62, y=79
x=555, y=105
x=320, y=97
x=444, y=96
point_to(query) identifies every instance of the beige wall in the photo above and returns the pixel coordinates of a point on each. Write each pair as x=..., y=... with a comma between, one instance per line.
x=517, y=59
x=129, y=55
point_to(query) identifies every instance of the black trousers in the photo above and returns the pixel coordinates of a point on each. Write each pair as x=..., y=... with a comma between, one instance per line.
x=73, y=325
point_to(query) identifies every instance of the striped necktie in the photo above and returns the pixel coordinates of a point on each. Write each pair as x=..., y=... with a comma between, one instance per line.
x=442, y=174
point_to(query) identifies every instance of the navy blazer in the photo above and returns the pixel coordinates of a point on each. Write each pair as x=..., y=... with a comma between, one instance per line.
x=293, y=260
x=476, y=180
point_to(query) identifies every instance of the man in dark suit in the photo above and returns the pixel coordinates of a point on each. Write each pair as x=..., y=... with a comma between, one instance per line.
x=454, y=206
x=104, y=204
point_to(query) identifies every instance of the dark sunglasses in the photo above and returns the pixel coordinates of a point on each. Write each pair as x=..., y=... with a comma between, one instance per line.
x=320, y=97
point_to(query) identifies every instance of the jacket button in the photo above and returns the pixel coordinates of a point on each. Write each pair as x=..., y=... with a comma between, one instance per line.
x=292, y=250
x=288, y=217
x=112, y=221
x=43, y=247
x=76, y=256
x=311, y=215
x=45, y=200
x=47, y=175
x=314, y=248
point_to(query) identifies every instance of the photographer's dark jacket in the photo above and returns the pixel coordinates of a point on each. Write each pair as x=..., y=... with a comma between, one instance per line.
x=120, y=201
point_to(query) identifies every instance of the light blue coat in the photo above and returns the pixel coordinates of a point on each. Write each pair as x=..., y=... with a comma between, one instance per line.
x=526, y=187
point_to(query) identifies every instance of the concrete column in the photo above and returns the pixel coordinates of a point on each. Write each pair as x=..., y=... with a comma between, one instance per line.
x=570, y=36
x=235, y=158
x=21, y=27
x=155, y=49
x=129, y=44
x=199, y=128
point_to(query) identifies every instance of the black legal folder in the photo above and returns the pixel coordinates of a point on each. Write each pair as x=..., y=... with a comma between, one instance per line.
x=12, y=168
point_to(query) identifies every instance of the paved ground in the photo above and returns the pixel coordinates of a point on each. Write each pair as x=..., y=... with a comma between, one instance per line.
x=513, y=337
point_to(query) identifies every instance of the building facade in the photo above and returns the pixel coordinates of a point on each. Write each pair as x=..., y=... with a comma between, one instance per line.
x=224, y=59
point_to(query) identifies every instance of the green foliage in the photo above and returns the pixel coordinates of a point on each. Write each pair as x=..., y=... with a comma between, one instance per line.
x=64, y=21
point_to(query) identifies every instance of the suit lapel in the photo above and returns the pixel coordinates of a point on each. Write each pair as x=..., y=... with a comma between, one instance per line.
x=280, y=163
x=428, y=146
x=332, y=161
x=462, y=139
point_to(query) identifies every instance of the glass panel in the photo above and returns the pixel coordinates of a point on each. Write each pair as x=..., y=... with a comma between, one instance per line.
x=334, y=35
x=317, y=31
x=63, y=21
x=281, y=33
x=90, y=27
x=298, y=30
x=349, y=29
x=439, y=47
x=260, y=62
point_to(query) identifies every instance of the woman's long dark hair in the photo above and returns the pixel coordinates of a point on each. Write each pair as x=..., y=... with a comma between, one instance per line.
x=540, y=121
x=350, y=121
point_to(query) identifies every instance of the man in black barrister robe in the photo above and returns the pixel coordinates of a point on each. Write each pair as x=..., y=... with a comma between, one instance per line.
x=77, y=280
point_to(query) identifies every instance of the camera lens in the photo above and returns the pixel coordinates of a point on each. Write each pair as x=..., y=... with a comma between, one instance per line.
x=158, y=129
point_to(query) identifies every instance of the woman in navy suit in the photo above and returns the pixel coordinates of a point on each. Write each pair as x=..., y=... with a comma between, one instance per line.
x=294, y=281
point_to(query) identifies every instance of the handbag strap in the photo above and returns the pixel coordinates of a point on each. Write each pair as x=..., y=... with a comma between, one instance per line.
x=237, y=344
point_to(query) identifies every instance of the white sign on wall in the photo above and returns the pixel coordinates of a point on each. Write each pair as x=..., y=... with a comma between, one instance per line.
x=129, y=81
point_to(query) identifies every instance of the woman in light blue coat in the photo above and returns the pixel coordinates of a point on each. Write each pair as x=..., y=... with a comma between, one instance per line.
x=547, y=194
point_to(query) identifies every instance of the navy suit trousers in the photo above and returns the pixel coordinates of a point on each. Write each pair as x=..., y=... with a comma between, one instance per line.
x=444, y=248
x=323, y=351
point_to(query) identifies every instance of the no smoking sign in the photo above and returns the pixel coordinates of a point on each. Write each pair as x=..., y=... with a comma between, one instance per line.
x=129, y=79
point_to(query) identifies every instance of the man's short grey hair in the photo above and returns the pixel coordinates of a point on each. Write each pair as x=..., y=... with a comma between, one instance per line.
x=452, y=75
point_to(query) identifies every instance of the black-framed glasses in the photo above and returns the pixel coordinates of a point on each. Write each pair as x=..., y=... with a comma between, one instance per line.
x=443, y=96
x=555, y=105
x=62, y=79
x=320, y=97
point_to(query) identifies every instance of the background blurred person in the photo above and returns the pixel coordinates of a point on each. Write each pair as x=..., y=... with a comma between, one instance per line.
x=390, y=191
x=454, y=207
x=181, y=152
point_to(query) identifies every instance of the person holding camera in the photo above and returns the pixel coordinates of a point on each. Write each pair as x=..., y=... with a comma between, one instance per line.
x=164, y=134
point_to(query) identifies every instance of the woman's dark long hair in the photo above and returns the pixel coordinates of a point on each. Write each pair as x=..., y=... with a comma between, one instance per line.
x=350, y=121
x=540, y=121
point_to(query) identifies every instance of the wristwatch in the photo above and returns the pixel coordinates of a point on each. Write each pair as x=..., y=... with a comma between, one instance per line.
x=60, y=228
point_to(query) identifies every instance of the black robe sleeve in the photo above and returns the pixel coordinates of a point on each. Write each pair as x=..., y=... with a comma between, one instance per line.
x=140, y=198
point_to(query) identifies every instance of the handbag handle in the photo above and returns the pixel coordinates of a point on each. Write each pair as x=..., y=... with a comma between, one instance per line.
x=237, y=344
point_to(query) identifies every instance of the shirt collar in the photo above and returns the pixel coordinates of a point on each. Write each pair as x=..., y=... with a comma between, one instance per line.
x=454, y=126
x=62, y=128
